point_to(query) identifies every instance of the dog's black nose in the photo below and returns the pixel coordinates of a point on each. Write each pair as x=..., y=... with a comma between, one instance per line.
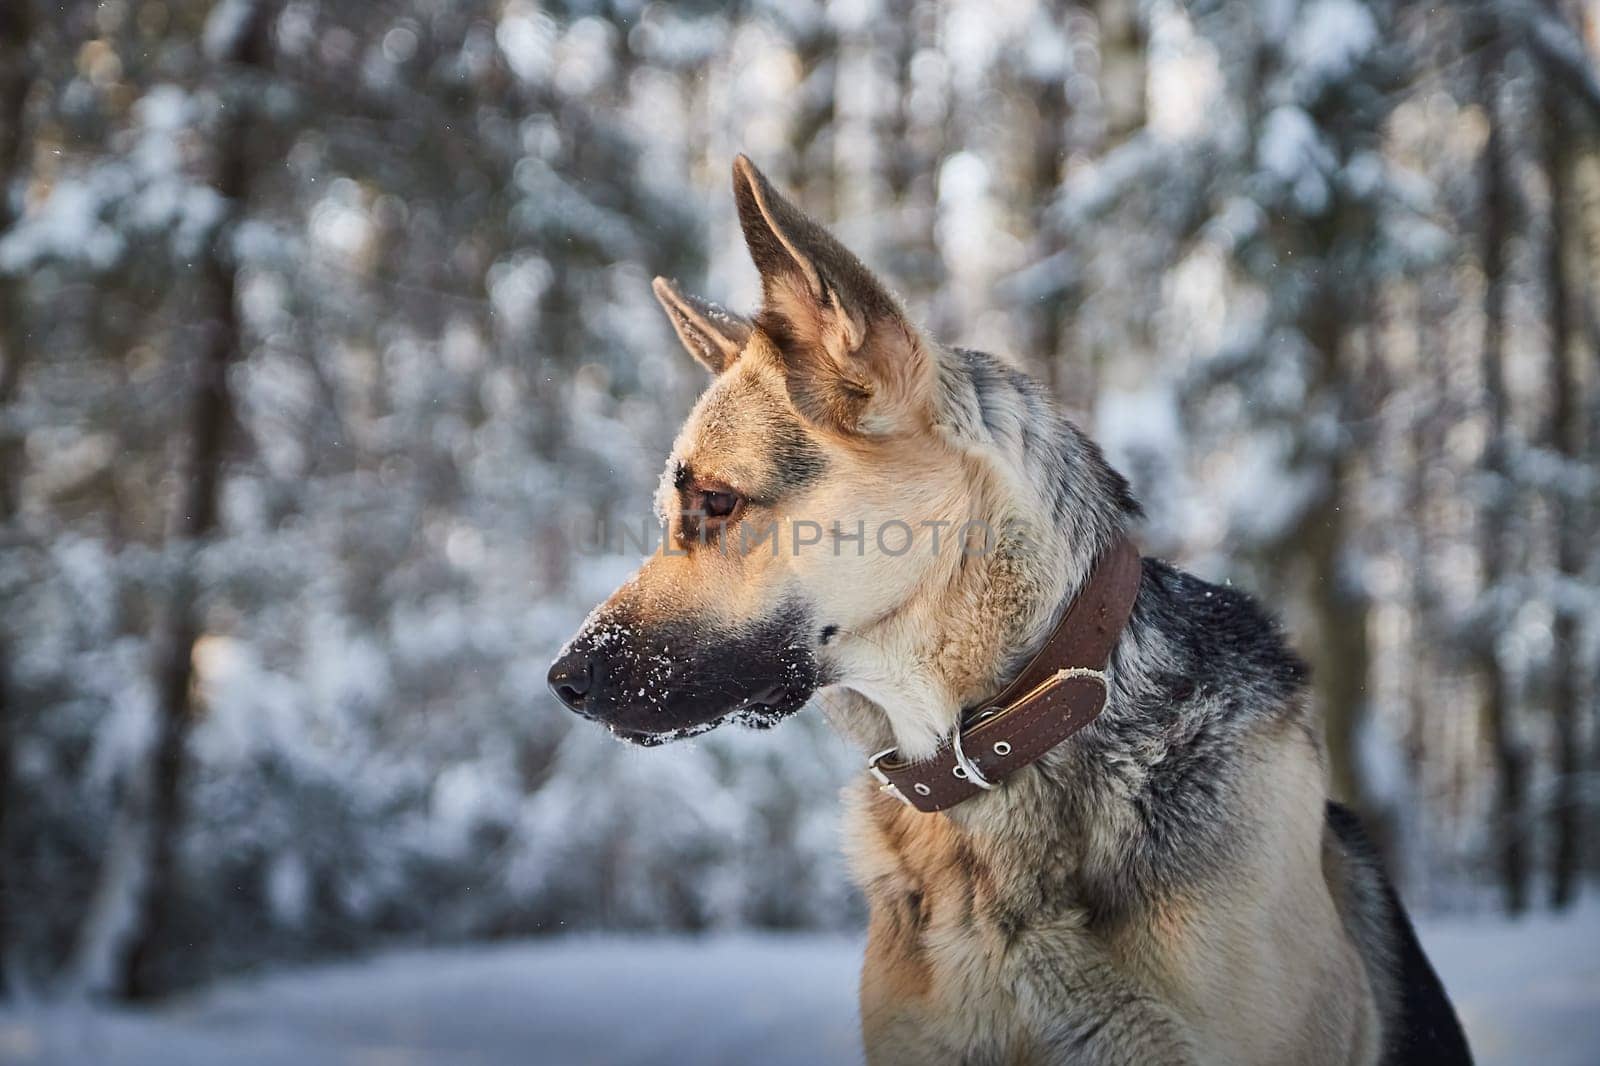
x=571, y=677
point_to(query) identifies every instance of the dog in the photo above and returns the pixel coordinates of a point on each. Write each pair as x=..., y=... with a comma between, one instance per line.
x=1168, y=885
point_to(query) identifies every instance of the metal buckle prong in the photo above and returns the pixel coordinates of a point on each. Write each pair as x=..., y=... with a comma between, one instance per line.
x=884, y=784
x=969, y=767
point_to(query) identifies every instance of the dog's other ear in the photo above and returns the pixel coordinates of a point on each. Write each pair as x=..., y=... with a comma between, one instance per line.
x=713, y=335
x=854, y=363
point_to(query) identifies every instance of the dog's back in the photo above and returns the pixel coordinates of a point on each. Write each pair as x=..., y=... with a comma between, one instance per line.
x=1420, y=1025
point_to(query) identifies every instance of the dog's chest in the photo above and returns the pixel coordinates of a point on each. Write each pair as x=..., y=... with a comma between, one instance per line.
x=933, y=986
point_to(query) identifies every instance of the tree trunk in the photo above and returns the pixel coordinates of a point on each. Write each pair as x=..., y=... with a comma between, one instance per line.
x=1584, y=193
x=1044, y=170
x=911, y=147
x=1341, y=657
x=1507, y=824
x=811, y=138
x=1428, y=755
x=1565, y=437
x=910, y=150
x=1340, y=654
x=15, y=78
x=210, y=413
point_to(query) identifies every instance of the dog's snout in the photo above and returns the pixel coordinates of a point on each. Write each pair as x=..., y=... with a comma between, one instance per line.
x=571, y=677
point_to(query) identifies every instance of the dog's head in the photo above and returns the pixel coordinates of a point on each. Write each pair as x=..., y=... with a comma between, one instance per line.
x=798, y=503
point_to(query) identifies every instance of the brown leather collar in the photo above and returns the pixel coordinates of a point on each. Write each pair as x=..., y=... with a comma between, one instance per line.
x=1061, y=690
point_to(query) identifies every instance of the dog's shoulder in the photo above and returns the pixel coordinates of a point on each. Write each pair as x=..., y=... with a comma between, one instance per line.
x=1204, y=679
x=1220, y=633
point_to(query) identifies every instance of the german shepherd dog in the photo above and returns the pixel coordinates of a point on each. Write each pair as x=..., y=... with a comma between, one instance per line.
x=1170, y=884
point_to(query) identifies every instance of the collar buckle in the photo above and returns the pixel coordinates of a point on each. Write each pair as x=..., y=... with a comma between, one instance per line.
x=884, y=784
x=966, y=768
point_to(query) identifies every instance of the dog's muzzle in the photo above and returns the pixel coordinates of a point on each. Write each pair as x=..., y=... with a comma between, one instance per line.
x=650, y=684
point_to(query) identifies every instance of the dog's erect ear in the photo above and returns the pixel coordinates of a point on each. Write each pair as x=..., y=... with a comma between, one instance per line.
x=854, y=362
x=713, y=335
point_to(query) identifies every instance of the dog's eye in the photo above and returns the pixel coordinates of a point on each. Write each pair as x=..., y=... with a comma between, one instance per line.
x=718, y=504
x=707, y=508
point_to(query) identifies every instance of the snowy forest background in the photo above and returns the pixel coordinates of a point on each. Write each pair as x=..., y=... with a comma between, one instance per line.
x=323, y=324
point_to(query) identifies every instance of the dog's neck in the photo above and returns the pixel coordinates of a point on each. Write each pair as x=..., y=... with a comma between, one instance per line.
x=1054, y=506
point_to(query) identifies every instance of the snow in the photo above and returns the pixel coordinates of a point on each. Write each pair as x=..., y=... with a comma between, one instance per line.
x=616, y=1000
x=1528, y=991
x=1330, y=39
x=1291, y=150
x=95, y=215
x=68, y=224
x=527, y=38
x=225, y=24
x=1185, y=81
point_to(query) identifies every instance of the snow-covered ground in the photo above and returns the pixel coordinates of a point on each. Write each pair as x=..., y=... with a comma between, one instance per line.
x=1528, y=992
